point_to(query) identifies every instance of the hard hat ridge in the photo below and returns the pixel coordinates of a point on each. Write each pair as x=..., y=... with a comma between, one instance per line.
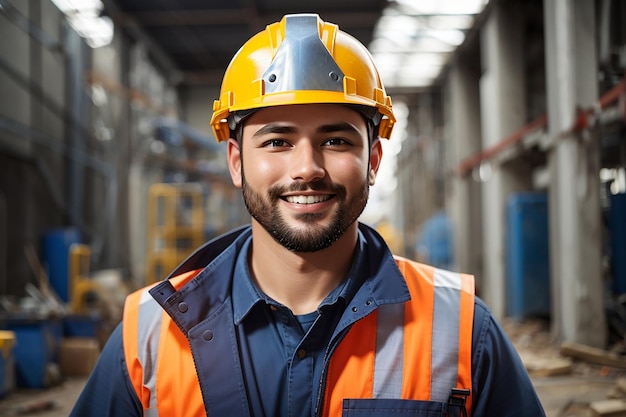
x=302, y=61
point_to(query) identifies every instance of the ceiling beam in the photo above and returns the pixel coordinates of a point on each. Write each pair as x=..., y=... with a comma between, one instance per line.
x=234, y=17
x=138, y=34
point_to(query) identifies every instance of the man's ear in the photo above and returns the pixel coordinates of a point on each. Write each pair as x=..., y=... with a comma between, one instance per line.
x=234, y=162
x=375, y=157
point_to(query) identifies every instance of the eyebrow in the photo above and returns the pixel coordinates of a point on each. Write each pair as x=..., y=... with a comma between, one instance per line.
x=271, y=128
x=329, y=128
x=339, y=127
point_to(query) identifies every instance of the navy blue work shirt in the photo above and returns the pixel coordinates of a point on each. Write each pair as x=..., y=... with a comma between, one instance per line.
x=285, y=353
x=282, y=356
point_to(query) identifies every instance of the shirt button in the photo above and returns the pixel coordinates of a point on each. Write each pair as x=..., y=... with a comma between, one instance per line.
x=183, y=307
x=301, y=353
x=284, y=319
x=273, y=308
x=207, y=335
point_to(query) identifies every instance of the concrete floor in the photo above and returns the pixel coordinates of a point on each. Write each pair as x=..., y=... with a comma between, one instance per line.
x=52, y=402
x=571, y=396
x=562, y=396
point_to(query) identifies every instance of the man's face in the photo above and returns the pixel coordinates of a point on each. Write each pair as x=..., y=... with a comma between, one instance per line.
x=305, y=172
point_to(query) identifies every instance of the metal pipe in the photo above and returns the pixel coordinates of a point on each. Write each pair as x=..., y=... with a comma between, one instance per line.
x=581, y=121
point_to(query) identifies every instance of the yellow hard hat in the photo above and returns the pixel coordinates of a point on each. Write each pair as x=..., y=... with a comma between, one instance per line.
x=301, y=60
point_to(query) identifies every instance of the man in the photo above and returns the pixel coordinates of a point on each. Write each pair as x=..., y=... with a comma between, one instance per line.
x=306, y=312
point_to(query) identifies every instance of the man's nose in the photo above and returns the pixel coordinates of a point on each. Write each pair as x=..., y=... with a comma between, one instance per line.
x=307, y=163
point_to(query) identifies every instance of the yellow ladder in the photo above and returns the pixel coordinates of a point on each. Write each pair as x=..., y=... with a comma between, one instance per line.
x=175, y=226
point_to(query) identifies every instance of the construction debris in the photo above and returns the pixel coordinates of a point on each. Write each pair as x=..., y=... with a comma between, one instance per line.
x=31, y=407
x=593, y=355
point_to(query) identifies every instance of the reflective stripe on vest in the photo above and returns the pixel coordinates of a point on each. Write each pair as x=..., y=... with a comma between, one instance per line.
x=150, y=314
x=389, y=359
x=445, y=339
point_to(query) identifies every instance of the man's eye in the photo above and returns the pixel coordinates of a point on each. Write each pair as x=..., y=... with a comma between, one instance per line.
x=336, y=142
x=275, y=143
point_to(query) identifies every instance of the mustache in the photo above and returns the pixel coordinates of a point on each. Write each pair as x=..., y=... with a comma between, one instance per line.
x=276, y=191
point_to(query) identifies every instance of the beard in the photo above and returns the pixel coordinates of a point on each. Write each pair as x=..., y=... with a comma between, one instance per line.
x=308, y=236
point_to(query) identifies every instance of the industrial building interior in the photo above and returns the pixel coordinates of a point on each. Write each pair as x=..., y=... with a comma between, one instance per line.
x=511, y=141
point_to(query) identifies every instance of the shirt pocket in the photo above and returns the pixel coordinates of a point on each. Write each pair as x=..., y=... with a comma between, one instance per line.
x=392, y=407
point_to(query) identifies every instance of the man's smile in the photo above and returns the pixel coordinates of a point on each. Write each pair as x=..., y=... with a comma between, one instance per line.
x=307, y=199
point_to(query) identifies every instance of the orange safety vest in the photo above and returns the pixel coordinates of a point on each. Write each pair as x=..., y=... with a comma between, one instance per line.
x=416, y=350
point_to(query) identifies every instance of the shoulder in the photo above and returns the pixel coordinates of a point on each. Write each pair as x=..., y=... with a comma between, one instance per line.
x=483, y=320
x=495, y=363
x=488, y=334
x=108, y=386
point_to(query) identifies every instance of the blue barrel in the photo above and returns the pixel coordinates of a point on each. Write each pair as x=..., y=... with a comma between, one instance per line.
x=617, y=225
x=55, y=258
x=36, y=350
x=527, y=256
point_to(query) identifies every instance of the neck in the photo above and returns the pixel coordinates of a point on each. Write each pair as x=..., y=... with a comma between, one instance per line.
x=299, y=281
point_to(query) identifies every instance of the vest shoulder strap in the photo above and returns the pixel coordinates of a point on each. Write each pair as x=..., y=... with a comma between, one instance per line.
x=142, y=325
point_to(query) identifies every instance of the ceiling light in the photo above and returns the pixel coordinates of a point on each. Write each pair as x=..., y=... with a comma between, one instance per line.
x=84, y=17
x=413, y=40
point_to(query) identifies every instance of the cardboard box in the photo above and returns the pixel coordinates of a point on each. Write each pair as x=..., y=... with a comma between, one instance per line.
x=78, y=355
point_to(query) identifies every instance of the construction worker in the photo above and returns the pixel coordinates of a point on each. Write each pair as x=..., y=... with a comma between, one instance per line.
x=306, y=312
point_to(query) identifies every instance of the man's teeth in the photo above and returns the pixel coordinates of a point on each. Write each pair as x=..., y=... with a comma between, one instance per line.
x=307, y=199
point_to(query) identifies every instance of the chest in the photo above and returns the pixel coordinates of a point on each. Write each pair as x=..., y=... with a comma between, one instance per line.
x=283, y=357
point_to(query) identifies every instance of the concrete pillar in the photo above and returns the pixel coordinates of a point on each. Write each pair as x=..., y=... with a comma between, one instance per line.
x=575, y=218
x=463, y=202
x=429, y=154
x=419, y=156
x=78, y=108
x=502, y=105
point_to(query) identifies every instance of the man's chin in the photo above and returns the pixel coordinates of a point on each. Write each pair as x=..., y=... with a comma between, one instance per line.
x=305, y=238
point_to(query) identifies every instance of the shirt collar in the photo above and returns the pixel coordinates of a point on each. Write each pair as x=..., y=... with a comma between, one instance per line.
x=245, y=294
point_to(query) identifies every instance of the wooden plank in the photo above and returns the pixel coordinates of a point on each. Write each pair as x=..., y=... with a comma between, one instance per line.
x=608, y=408
x=593, y=355
x=621, y=384
x=538, y=366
